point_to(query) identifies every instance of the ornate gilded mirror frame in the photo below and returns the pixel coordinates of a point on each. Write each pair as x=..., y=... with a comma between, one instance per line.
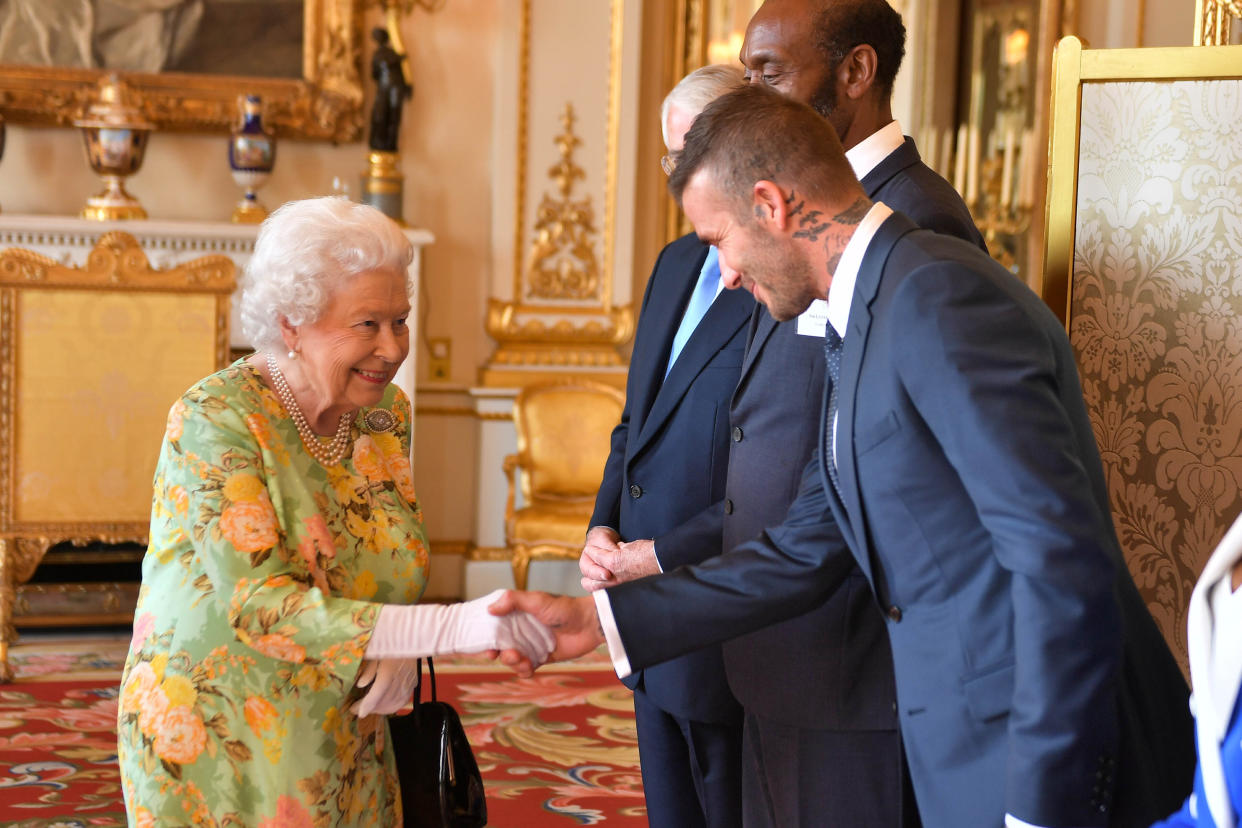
x=325, y=104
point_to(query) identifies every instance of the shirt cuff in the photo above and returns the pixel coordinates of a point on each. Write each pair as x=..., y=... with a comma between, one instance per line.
x=616, y=650
x=1012, y=821
x=656, y=555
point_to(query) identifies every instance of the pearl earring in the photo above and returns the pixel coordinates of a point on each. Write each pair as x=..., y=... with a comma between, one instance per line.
x=293, y=355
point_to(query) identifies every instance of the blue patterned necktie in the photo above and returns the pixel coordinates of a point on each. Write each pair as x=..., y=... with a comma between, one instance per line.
x=700, y=300
x=832, y=356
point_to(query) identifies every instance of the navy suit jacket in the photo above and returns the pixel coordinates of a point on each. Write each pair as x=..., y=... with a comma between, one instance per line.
x=1030, y=678
x=830, y=668
x=670, y=451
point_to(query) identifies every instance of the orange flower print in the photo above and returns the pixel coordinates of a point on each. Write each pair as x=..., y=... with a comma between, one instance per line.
x=250, y=527
x=364, y=586
x=367, y=459
x=260, y=715
x=317, y=529
x=180, y=737
x=289, y=814
x=141, y=681
x=180, y=499
x=259, y=427
x=403, y=476
x=143, y=818
x=280, y=647
x=151, y=709
x=176, y=414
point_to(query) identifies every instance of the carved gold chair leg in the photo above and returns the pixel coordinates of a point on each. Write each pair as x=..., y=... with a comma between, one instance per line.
x=8, y=593
x=521, y=566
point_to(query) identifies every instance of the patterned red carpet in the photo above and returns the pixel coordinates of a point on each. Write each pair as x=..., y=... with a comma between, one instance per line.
x=557, y=749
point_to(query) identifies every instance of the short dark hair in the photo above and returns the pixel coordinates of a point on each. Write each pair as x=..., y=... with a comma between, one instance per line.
x=755, y=134
x=843, y=24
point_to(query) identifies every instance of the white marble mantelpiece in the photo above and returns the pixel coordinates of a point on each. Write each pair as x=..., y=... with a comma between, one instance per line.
x=68, y=240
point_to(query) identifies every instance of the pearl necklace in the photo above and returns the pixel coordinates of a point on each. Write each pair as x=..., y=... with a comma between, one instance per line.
x=328, y=455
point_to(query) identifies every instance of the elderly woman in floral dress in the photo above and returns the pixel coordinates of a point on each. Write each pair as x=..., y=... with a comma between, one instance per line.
x=275, y=624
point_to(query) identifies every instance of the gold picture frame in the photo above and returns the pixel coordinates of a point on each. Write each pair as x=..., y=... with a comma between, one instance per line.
x=325, y=104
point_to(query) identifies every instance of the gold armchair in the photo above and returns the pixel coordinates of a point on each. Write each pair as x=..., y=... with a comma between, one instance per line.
x=1141, y=262
x=91, y=359
x=563, y=433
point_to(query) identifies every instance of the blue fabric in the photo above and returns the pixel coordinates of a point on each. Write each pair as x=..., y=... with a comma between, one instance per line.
x=704, y=294
x=1231, y=753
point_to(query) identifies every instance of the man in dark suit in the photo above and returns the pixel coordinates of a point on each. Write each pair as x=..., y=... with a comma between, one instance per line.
x=667, y=462
x=820, y=743
x=957, y=469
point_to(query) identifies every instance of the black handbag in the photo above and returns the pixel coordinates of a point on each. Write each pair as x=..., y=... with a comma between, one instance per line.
x=441, y=786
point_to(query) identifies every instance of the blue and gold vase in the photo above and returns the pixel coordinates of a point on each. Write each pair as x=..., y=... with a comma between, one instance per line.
x=252, y=154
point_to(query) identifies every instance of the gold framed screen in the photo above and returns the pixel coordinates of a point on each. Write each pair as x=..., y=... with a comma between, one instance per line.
x=91, y=360
x=1141, y=261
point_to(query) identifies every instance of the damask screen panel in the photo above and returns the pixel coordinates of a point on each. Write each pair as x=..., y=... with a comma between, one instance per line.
x=1153, y=306
x=97, y=372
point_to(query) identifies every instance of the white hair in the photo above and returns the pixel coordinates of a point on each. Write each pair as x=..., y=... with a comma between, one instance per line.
x=696, y=90
x=306, y=252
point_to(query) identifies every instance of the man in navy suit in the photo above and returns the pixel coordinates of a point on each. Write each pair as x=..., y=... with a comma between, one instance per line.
x=667, y=463
x=956, y=468
x=820, y=741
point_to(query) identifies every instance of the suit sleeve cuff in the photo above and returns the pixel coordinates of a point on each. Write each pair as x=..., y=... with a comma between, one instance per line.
x=616, y=650
x=655, y=553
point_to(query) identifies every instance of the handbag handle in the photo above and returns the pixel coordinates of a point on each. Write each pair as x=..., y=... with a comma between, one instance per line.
x=418, y=688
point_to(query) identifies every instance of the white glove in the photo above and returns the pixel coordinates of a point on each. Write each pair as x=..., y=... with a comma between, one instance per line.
x=439, y=629
x=392, y=683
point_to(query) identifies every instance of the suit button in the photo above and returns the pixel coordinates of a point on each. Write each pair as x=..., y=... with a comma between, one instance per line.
x=737, y=434
x=894, y=613
x=728, y=506
x=636, y=490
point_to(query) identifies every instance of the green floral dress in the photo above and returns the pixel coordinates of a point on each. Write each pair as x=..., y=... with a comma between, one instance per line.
x=260, y=589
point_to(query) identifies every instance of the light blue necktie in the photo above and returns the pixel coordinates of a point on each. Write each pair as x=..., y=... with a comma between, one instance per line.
x=700, y=300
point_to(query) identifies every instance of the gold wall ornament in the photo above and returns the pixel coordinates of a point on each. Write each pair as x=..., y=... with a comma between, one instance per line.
x=325, y=104
x=529, y=346
x=563, y=264
x=116, y=131
x=553, y=332
x=1212, y=21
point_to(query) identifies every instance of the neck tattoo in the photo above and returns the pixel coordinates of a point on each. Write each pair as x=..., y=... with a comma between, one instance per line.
x=328, y=454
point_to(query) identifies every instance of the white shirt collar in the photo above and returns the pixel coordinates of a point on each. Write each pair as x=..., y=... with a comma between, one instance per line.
x=866, y=155
x=841, y=291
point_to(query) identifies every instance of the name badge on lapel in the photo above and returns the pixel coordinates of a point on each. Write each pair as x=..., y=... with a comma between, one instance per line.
x=814, y=320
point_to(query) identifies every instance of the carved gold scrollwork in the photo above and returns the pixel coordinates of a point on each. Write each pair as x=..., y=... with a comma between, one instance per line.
x=563, y=264
x=117, y=258
x=1212, y=21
